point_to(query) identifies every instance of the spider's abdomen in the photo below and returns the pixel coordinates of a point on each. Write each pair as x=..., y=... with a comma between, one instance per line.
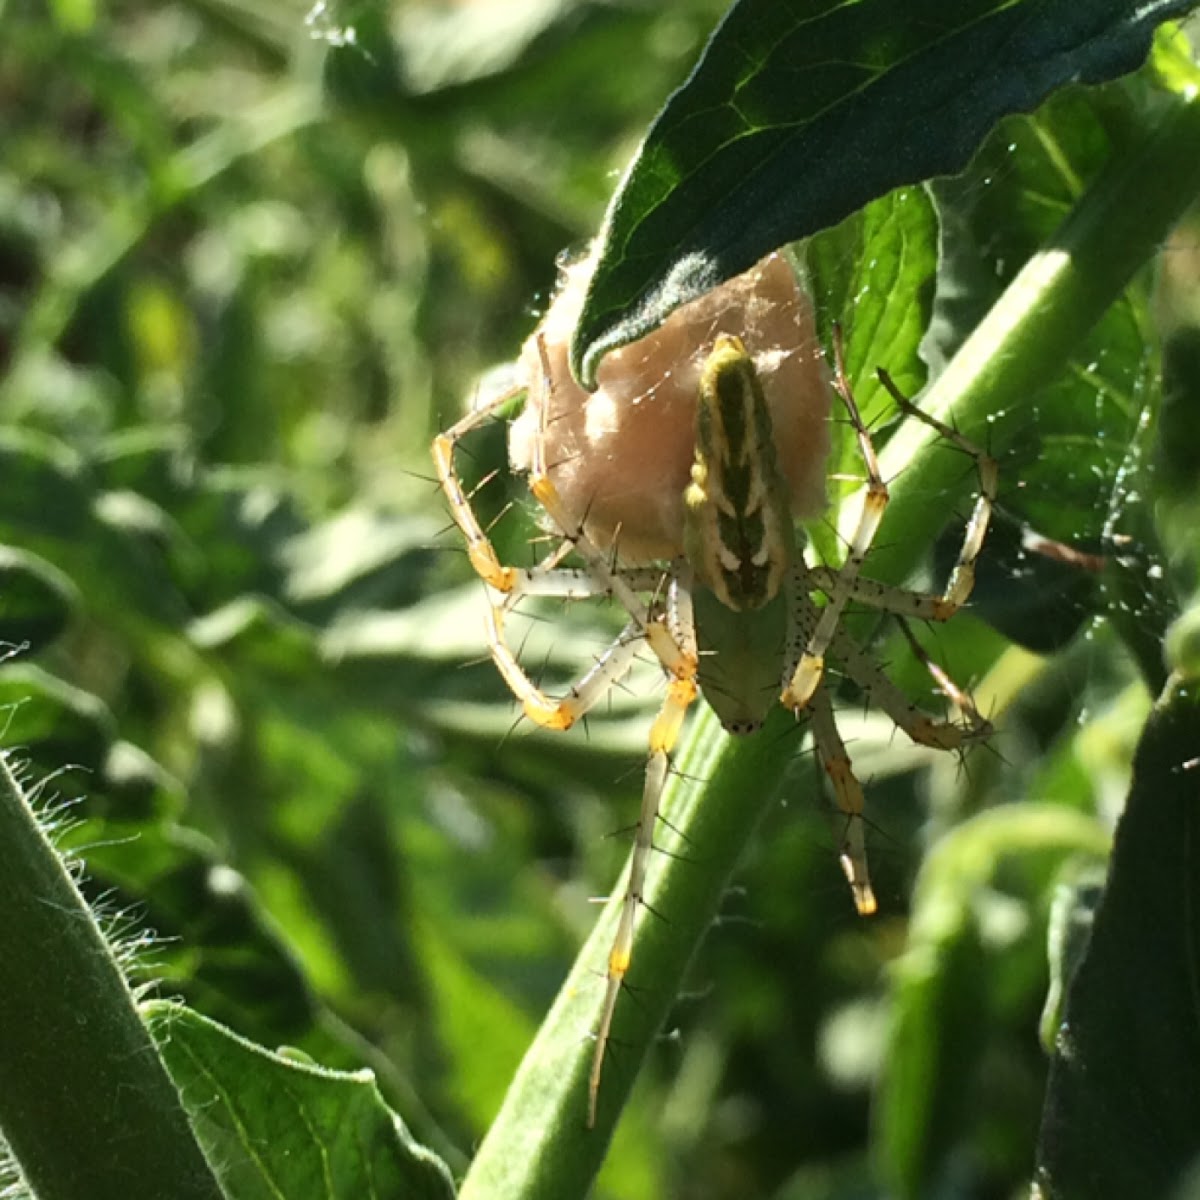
x=738, y=533
x=742, y=655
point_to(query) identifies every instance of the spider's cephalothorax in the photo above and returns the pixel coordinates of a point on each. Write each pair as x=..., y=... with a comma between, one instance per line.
x=708, y=510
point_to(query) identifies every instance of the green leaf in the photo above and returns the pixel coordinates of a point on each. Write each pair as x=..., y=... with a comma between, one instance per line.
x=472, y=1013
x=211, y=944
x=36, y=600
x=281, y=1129
x=797, y=115
x=875, y=274
x=53, y=724
x=111, y=565
x=1075, y=443
x=974, y=961
x=1043, y=316
x=1120, y=1115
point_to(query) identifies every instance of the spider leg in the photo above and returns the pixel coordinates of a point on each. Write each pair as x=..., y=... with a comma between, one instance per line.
x=682, y=692
x=962, y=576
x=918, y=725
x=577, y=584
x=821, y=632
x=924, y=605
x=680, y=695
x=831, y=750
x=667, y=628
x=975, y=725
x=681, y=618
x=808, y=671
x=561, y=712
x=508, y=585
x=804, y=617
x=480, y=550
x=883, y=597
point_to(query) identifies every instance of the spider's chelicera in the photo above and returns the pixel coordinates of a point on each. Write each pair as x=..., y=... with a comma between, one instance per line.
x=696, y=541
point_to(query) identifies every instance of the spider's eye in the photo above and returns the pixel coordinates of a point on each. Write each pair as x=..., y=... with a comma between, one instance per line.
x=741, y=728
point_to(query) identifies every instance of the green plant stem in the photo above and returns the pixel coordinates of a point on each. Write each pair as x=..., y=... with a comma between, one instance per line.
x=1030, y=333
x=539, y=1145
x=86, y=1105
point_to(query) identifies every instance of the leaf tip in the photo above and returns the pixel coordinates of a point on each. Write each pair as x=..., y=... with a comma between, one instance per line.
x=610, y=320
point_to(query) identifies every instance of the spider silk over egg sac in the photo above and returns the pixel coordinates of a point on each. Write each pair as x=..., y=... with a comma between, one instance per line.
x=621, y=457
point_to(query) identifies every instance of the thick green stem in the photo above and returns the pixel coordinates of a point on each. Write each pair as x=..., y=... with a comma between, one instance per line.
x=86, y=1105
x=539, y=1145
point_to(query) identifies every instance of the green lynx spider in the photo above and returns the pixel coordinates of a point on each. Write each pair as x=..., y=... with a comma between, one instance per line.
x=734, y=618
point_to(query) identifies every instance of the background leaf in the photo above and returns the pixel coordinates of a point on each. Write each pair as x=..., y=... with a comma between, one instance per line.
x=279, y=1126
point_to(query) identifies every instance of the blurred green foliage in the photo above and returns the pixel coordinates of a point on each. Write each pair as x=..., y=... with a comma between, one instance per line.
x=251, y=258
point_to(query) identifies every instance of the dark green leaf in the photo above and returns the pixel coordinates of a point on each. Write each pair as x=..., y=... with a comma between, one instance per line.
x=36, y=600
x=106, y=558
x=799, y=114
x=361, y=559
x=53, y=725
x=990, y=389
x=277, y=1128
x=1120, y=1115
x=1076, y=441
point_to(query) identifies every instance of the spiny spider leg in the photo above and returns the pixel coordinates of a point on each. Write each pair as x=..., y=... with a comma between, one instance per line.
x=803, y=618
x=918, y=725
x=480, y=551
x=569, y=583
x=681, y=617
x=820, y=631
x=663, y=735
x=926, y=606
x=962, y=577
x=884, y=597
x=807, y=675
x=680, y=664
x=671, y=637
x=975, y=725
x=513, y=583
x=831, y=750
